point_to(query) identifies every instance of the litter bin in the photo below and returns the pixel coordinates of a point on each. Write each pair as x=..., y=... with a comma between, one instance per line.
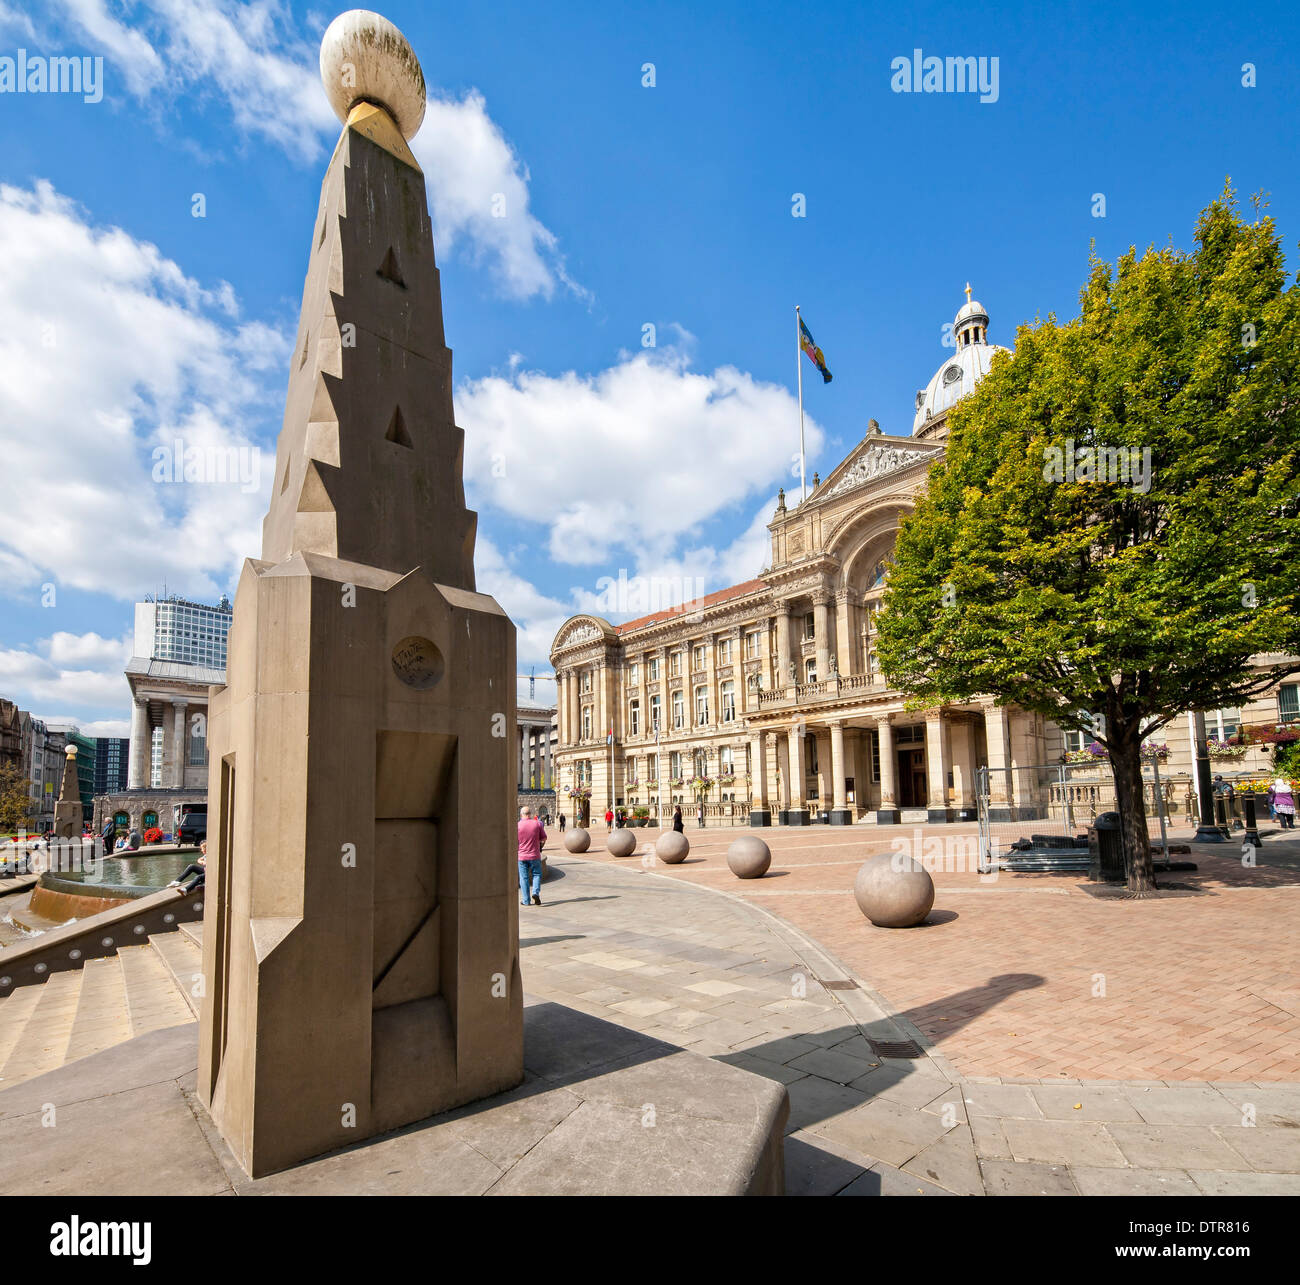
x=1105, y=851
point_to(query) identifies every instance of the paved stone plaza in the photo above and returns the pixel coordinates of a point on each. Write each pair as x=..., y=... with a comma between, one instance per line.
x=660, y=951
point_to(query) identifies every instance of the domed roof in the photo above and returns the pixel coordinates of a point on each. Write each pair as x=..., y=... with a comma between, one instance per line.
x=963, y=370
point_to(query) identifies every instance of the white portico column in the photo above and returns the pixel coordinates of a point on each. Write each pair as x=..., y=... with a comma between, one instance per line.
x=962, y=734
x=782, y=646
x=760, y=811
x=937, y=761
x=887, y=813
x=840, y=814
x=137, y=777
x=798, y=814
x=821, y=633
x=178, y=744
x=998, y=738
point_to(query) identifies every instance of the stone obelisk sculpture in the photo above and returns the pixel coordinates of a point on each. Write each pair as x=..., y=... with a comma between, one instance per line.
x=361, y=934
x=69, y=815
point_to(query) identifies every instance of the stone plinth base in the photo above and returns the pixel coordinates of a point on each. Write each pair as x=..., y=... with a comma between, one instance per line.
x=938, y=815
x=841, y=816
x=888, y=816
x=576, y=1126
x=760, y=816
x=795, y=816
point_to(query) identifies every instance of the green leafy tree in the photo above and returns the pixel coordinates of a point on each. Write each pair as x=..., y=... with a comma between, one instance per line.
x=15, y=800
x=1142, y=586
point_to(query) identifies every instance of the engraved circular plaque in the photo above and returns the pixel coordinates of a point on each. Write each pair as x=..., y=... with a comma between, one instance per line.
x=417, y=662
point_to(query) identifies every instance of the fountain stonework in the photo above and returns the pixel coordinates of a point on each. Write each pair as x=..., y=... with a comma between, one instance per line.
x=362, y=957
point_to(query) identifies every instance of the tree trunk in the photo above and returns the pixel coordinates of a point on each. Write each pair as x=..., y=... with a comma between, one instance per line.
x=1126, y=765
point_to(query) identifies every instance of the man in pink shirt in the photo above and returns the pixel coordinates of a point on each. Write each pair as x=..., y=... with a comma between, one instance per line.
x=532, y=834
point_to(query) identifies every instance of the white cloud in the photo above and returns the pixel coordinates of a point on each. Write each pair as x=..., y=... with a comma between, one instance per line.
x=266, y=77
x=631, y=460
x=69, y=672
x=536, y=617
x=478, y=191
x=108, y=350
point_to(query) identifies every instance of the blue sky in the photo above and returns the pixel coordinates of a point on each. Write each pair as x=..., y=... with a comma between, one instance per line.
x=126, y=322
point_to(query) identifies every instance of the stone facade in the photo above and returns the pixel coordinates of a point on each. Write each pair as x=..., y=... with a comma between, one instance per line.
x=771, y=689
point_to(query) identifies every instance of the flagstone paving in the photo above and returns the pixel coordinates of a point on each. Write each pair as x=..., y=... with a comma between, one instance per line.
x=712, y=969
x=1033, y=976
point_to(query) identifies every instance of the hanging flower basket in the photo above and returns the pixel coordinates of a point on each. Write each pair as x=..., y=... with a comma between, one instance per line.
x=1229, y=749
x=701, y=784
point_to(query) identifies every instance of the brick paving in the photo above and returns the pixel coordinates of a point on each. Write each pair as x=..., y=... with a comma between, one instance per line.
x=724, y=976
x=1034, y=976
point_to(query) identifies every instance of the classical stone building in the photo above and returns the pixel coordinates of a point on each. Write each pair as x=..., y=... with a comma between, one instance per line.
x=770, y=691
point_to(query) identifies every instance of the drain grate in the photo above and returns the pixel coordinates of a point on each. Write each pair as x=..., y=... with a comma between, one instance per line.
x=894, y=1048
x=846, y=985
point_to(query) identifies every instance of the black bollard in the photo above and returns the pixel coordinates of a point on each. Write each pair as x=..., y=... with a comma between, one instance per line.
x=1252, y=822
x=1221, y=815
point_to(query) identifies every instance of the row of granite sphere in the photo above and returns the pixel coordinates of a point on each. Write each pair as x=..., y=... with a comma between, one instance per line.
x=892, y=890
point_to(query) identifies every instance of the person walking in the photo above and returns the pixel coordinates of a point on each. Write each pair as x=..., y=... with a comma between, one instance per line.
x=561, y=822
x=532, y=835
x=1284, y=803
x=609, y=818
x=678, y=827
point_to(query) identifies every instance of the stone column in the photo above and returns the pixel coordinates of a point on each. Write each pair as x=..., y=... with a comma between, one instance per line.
x=782, y=646
x=798, y=814
x=138, y=764
x=888, y=812
x=962, y=735
x=821, y=633
x=937, y=764
x=840, y=814
x=711, y=679
x=1001, y=786
x=844, y=647
x=760, y=812
x=178, y=744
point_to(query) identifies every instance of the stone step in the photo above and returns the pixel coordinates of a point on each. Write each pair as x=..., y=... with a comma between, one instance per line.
x=14, y=1012
x=152, y=997
x=184, y=961
x=194, y=932
x=102, y=1018
x=43, y=1041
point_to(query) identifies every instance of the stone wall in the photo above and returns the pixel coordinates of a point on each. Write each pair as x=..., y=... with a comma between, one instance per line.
x=541, y=801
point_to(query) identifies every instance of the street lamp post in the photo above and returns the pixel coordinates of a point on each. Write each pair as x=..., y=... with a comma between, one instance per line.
x=1206, y=830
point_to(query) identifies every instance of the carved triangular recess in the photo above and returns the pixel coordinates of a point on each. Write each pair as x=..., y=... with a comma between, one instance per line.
x=389, y=269
x=397, y=430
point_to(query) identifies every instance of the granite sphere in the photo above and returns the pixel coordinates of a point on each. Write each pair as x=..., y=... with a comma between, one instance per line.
x=577, y=839
x=365, y=59
x=621, y=843
x=672, y=847
x=894, y=891
x=749, y=857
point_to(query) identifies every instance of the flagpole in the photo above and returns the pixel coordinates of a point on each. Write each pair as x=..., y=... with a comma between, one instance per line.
x=798, y=366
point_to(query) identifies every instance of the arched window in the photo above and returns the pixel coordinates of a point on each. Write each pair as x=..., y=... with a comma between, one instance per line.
x=879, y=573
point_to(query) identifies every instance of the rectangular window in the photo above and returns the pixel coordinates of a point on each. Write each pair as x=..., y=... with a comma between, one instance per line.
x=725, y=762
x=633, y=675
x=728, y=702
x=586, y=722
x=584, y=684
x=634, y=717
x=1288, y=702
x=654, y=669
x=198, y=744
x=678, y=709
x=654, y=713
x=875, y=757
x=751, y=646
x=652, y=768
x=697, y=659
x=701, y=706
x=675, y=765
x=809, y=627
x=724, y=652
x=675, y=664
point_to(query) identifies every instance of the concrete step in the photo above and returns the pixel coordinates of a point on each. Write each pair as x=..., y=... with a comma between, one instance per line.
x=102, y=1018
x=14, y=1012
x=42, y=1044
x=184, y=961
x=152, y=997
x=194, y=932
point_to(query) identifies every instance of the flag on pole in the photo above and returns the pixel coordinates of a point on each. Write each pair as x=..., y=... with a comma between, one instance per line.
x=813, y=352
x=609, y=740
